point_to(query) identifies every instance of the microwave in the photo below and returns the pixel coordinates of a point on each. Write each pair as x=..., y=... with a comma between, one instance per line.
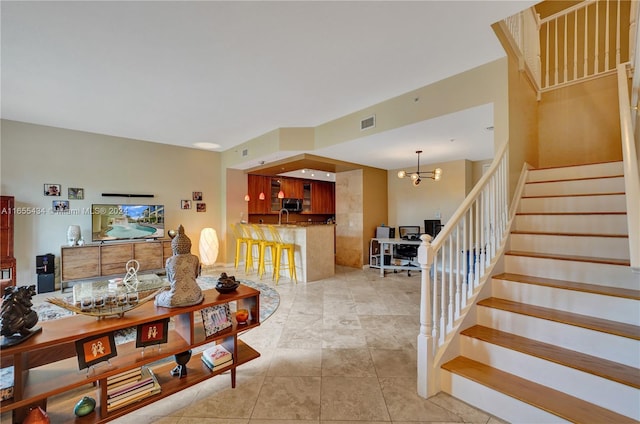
x=292, y=205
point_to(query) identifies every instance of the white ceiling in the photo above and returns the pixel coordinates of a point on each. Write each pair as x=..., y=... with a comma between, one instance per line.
x=183, y=72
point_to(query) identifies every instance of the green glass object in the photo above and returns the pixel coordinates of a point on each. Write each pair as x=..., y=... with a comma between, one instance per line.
x=85, y=406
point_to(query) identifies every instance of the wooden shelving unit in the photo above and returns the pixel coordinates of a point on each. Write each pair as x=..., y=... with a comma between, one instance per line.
x=46, y=364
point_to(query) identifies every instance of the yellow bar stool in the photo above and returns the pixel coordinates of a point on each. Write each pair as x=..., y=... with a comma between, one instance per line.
x=281, y=246
x=240, y=241
x=263, y=244
x=252, y=242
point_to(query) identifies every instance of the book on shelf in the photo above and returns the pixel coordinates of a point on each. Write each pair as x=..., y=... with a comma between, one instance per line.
x=125, y=395
x=217, y=355
x=124, y=377
x=211, y=366
x=6, y=383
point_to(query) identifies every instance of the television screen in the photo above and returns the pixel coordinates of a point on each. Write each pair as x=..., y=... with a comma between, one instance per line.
x=126, y=222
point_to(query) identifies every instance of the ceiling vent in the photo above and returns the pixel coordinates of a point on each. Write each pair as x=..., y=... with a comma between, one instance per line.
x=369, y=122
x=245, y=152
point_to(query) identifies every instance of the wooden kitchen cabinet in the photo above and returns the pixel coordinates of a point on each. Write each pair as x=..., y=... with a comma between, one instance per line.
x=259, y=184
x=323, y=197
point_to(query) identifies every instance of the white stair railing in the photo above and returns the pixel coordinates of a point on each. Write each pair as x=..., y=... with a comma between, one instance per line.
x=576, y=44
x=456, y=264
x=631, y=175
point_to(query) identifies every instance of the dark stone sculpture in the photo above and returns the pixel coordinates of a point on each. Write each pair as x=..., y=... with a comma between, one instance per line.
x=18, y=319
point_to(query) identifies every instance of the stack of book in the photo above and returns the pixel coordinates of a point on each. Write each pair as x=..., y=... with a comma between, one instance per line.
x=217, y=357
x=130, y=386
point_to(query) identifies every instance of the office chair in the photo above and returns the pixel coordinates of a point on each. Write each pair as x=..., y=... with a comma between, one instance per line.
x=408, y=251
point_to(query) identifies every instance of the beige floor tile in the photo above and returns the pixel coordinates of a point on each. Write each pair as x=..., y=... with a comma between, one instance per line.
x=352, y=398
x=296, y=362
x=347, y=363
x=293, y=398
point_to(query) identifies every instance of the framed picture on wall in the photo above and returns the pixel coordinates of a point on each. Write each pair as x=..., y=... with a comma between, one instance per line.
x=52, y=189
x=60, y=205
x=185, y=204
x=76, y=193
x=201, y=207
x=197, y=195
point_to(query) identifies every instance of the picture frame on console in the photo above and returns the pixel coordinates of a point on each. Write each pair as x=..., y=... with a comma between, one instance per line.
x=152, y=333
x=216, y=318
x=96, y=349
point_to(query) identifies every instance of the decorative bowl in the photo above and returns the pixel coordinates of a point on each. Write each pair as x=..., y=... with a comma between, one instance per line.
x=226, y=289
x=242, y=315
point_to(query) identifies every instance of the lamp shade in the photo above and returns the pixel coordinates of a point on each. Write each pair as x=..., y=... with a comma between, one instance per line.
x=281, y=194
x=208, y=246
x=247, y=198
x=261, y=196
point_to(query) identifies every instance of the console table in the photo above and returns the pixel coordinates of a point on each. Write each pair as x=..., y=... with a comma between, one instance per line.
x=108, y=259
x=46, y=364
x=381, y=247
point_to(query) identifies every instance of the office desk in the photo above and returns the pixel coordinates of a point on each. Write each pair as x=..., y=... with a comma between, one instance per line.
x=381, y=248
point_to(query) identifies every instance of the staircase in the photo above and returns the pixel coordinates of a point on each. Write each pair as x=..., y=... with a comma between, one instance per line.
x=559, y=338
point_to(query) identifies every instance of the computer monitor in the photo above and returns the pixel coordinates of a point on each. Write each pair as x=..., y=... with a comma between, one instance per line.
x=409, y=231
x=385, y=232
x=432, y=227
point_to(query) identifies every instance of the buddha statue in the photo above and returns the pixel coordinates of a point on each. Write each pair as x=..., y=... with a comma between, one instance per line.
x=182, y=270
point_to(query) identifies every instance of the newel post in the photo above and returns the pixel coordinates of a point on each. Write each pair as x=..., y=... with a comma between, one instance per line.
x=426, y=379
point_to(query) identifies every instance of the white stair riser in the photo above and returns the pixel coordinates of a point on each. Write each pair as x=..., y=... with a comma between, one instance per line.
x=498, y=404
x=596, y=203
x=597, y=390
x=590, y=186
x=574, y=224
x=584, y=171
x=590, y=246
x=590, y=304
x=582, y=272
x=603, y=345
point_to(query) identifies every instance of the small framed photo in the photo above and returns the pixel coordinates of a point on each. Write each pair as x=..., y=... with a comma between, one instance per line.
x=52, y=189
x=60, y=205
x=76, y=193
x=185, y=204
x=216, y=318
x=152, y=333
x=93, y=350
x=201, y=207
x=197, y=195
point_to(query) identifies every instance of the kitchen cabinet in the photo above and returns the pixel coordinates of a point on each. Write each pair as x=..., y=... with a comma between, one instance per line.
x=323, y=197
x=259, y=184
x=293, y=187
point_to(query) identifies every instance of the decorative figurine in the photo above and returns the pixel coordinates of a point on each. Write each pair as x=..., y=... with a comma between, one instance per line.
x=181, y=359
x=182, y=270
x=18, y=319
x=85, y=406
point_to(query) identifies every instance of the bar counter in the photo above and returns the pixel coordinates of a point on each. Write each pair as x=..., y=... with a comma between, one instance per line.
x=314, y=252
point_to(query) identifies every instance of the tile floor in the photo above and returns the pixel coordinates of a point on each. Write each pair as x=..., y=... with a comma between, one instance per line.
x=341, y=350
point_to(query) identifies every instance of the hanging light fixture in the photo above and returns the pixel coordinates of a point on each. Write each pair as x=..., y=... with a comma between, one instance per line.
x=416, y=177
x=281, y=194
x=261, y=196
x=247, y=198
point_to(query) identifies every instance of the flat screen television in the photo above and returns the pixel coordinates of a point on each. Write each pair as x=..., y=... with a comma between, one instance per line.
x=125, y=222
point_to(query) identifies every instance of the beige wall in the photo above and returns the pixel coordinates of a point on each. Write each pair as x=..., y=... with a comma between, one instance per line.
x=375, y=205
x=580, y=124
x=411, y=205
x=33, y=155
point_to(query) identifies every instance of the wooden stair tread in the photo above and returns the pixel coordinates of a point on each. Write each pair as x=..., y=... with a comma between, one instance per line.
x=546, y=233
x=610, y=370
x=562, y=180
x=597, y=324
x=553, y=401
x=571, y=285
x=545, y=196
x=609, y=261
x=571, y=213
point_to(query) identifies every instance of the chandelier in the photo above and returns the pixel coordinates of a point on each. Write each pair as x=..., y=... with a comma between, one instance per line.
x=416, y=177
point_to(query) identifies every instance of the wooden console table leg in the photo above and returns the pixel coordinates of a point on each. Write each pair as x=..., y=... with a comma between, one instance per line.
x=233, y=378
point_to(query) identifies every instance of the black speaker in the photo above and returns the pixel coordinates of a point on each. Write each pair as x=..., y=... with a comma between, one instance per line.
x=45, y=264
x=432, y=227
x=46, y=283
